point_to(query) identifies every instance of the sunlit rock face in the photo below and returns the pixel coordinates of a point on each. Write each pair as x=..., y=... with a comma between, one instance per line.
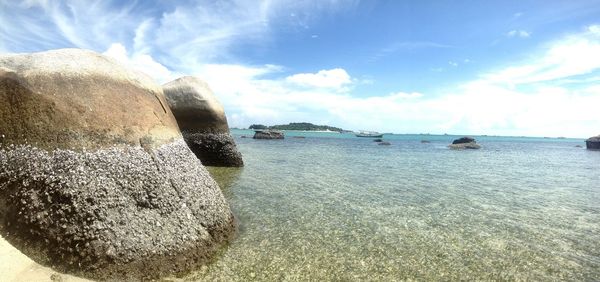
x=202, y=121
x=95, y=177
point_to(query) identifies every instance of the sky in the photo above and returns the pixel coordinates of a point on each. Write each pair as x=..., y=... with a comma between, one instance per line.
x=517, y=68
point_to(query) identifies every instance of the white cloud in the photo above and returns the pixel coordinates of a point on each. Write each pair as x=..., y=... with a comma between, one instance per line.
x=452, y=63
x=527, y=98
x=141, y=62
x=570, y=56
x=518, y=33
x=594, y=29
x=507, y=101
x=184, y=36
x=403, y=95
x=334, y=78
x=34, y=3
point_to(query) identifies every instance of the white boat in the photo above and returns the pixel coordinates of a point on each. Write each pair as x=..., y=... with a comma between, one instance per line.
x=371, y=134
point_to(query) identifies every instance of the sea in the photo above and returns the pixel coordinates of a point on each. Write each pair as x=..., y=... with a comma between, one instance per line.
x=335, y=207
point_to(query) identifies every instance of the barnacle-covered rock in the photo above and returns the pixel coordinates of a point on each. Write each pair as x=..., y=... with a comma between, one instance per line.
x=95, y=177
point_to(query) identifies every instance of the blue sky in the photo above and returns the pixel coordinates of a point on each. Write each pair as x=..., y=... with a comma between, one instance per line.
x=464, y=67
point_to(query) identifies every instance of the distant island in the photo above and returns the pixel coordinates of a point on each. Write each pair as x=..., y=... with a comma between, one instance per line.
x=305, y=126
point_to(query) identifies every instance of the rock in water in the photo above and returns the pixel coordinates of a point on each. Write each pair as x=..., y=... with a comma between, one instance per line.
x=95, y=178
x=464, y=143
x=202, y=121
x=593, y=143
x=464, y=140
x=268, y=134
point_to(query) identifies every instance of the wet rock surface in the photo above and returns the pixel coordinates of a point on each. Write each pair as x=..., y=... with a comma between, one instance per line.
x=95, y=177
x=464, y=143
x=593, y=143
x=268, y=134
x=202, y=120
x=464, y=140
x=214, y=149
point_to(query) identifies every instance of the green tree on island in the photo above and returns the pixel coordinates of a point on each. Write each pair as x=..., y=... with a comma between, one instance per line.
x=306, y=126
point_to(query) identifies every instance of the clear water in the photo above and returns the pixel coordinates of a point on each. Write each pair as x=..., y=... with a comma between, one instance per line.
x=336, y=207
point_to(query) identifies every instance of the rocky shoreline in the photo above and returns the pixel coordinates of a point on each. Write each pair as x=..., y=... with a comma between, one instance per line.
x=95, y=177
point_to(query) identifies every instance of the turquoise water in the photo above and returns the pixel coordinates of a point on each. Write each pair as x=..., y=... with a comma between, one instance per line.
x=336, y=207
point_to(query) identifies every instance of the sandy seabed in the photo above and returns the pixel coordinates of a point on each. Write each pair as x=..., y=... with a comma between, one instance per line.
x=15, y=266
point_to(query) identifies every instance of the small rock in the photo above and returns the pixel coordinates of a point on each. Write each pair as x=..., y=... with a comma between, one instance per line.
x=593, y=143
x=55, y=277
x=384, y=143
x=464, y=140
x=464, y=143
x=268, y=134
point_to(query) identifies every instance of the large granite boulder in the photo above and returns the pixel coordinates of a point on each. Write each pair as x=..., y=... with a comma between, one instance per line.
x=593, y=143
x=268, y=134
x=464, y=143
x=202, y=121
x=95, y=178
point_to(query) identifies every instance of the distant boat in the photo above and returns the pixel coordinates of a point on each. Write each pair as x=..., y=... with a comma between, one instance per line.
x=371, y=134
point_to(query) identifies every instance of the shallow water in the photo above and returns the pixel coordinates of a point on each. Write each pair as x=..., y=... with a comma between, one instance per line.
x=337, y=207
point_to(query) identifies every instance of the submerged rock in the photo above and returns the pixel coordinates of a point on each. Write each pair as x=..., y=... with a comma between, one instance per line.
x=593, y=143
x=384, y=143
x=464, y=143
x=202, y=121
x=378, y=140
x=425, y=141
x=95, y=178
x=268, y=134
